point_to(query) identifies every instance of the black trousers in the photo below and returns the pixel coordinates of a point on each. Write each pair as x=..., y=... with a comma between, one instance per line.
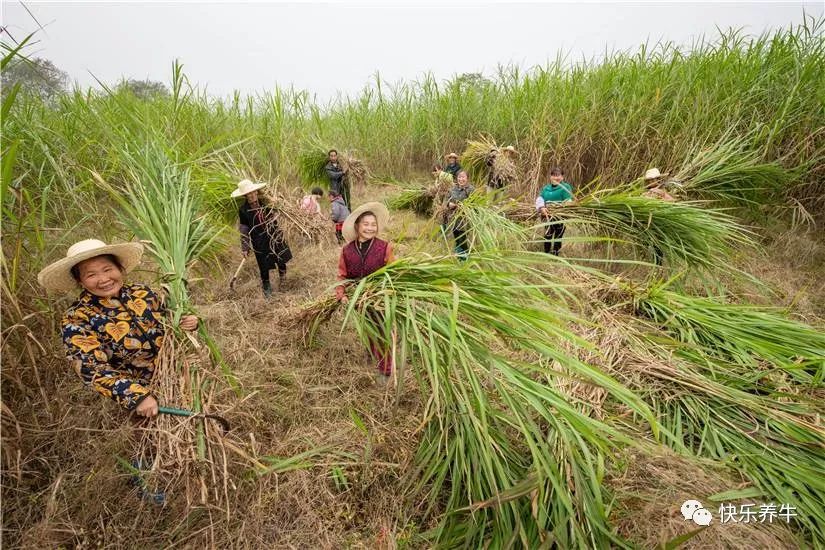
x=553, y=235
x=264, y=266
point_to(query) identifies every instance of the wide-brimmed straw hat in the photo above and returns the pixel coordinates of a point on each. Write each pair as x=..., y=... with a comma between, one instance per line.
x=451, y=156
x=245, y=187
x=653, y=174
x=58, y=276
x=381, y=214
x=510, y=149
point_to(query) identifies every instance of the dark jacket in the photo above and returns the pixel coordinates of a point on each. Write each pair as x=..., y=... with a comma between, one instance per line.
x=336, y=178
x=260, y=233
x=453, y=170
x=457, y=194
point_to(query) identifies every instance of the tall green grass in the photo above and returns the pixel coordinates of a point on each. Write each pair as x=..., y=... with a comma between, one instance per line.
x=609, y=120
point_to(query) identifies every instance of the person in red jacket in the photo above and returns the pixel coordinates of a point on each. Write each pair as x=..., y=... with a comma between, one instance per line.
x=364, y=254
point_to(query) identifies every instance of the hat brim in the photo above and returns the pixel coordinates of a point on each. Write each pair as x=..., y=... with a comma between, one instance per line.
x=237, y=192
x=661, y=175
x=451, y=156
x=382, y=215
x=57, y=277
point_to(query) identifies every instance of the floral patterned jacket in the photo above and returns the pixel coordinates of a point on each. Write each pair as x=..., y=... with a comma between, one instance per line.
x=113, y=343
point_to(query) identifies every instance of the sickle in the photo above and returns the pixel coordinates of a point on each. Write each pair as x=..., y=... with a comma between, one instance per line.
x=183, y=412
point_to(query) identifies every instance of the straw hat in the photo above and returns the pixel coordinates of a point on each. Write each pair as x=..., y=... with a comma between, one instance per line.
x=653, y=174
x=381, y=214
x=245, y=187
x=58, y=276
x=451, y=156
x=510, y=149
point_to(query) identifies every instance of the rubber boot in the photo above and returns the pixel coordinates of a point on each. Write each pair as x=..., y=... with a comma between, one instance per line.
x=267, y=289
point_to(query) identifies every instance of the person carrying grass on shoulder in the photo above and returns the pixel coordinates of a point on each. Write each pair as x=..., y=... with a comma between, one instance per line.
x=337, y=174
x=310, y=203
x=654, y=182
x=456, y=223
x=339, y=213
x=452, y=167
x=114, y=331
x=364, y=254
x=258, y=225
x=551, y=196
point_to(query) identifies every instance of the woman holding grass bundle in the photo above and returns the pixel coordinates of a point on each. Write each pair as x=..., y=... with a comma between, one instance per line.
x=364, y=254
x=114, y=331
x=258, y=225
x=457, y=224
x=552, y=196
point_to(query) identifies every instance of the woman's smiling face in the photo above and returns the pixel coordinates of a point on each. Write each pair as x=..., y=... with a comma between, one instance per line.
x=367, y=227
x=100, y=276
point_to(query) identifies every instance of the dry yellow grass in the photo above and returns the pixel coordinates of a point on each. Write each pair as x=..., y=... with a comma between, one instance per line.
x=69, y=491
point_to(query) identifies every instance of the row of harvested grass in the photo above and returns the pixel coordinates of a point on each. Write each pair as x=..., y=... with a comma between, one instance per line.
x=493, y=341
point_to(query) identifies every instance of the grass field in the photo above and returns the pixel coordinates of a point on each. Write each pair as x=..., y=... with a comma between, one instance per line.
x=574, y=402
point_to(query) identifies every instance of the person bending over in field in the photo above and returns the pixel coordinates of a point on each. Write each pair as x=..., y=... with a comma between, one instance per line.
x=311, y=203
x=258, y=225
x=456, y=223
x=114, y=331
x=339, y=213
x=364, y=254
x=552, y=196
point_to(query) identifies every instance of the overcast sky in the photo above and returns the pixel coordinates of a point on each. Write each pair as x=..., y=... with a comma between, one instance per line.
x=330, y=48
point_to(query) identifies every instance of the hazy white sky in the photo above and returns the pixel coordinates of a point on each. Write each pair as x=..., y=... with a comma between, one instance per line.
x=329, y=48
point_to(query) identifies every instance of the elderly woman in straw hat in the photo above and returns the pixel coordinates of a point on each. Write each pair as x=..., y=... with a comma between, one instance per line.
x=364, y=254
x=114, y=331
x=258, y=224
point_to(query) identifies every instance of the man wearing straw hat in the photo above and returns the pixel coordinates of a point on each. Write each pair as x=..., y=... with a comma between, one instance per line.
x=258, y=225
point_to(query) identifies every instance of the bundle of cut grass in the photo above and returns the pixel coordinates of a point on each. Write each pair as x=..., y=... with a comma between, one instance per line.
x=411, y=198
x=422, y=200
x=294, y=222
x=357, y=171
x=505, y=455
x=712, y=407
x=159, y=206
x=758, y=338
x=312, y=315
x=312, y=161
x=731, y=171
x=690, y=233
x=488, y=226
x=487, y=161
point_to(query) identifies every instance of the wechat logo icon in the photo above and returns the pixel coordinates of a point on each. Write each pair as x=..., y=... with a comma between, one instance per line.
x=693, y=509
